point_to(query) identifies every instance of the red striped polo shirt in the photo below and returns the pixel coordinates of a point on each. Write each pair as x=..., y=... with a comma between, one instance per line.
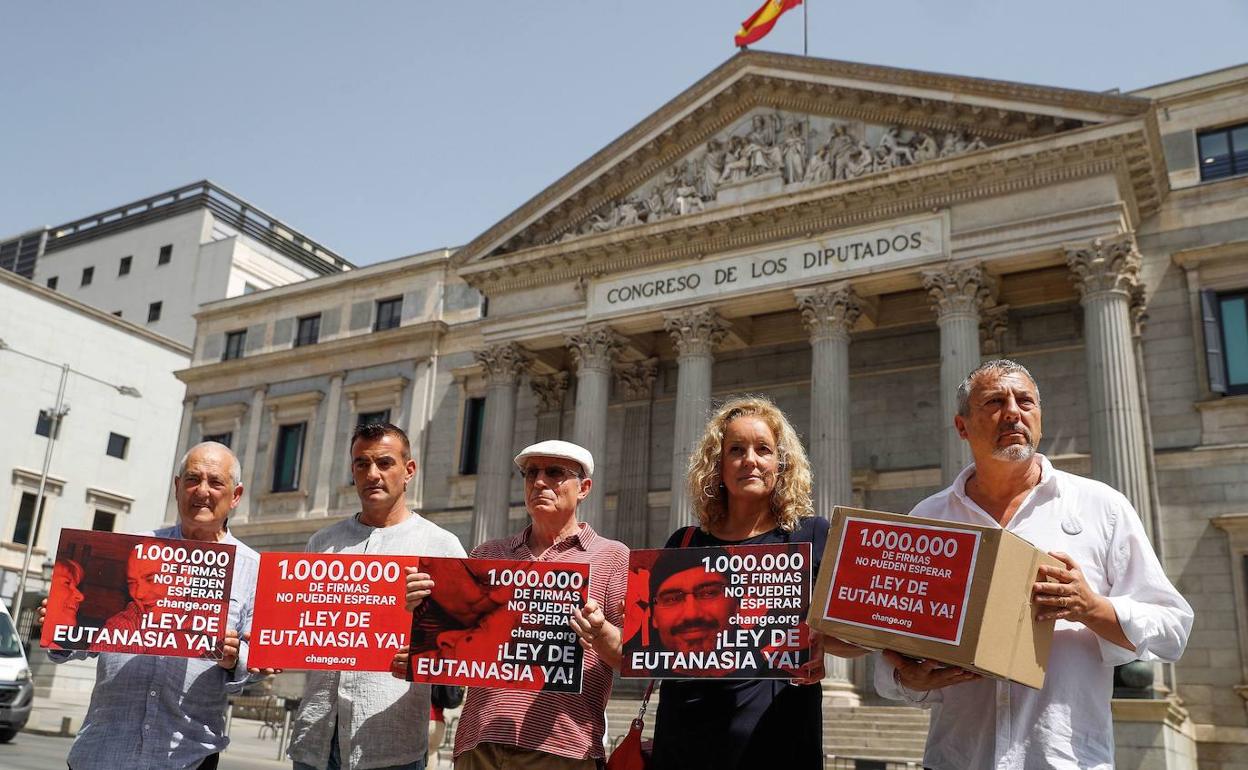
x=565, y=724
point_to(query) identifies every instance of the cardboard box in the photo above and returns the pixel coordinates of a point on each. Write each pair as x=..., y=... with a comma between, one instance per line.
x=956, y=593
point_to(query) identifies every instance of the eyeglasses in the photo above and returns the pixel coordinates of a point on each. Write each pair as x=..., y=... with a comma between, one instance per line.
x=704, y=593
x=555, y=474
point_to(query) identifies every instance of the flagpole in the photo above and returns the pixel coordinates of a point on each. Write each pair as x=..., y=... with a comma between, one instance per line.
x=805, y=27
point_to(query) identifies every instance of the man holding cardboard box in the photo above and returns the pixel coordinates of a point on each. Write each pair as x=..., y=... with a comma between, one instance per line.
x=1111, y=600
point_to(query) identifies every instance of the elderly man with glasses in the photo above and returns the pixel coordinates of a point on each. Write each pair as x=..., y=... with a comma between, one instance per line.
x=552, y=731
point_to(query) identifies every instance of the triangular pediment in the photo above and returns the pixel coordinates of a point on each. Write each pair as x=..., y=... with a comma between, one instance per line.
x=766, y=124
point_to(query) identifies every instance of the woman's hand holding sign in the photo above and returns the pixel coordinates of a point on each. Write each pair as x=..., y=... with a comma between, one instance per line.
x=598, y=634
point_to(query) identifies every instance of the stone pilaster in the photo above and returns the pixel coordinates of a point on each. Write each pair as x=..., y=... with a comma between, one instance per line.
x=696, y=333
x=595, y=349
x=1107, y=275
x=550, y=391
x=251, y=490
x=329, y=440
x=635, y=386
x=419, y=406
x=958, y=293
x=503, y=364
x=181, y=448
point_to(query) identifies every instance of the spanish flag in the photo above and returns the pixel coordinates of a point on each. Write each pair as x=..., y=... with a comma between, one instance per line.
x=758, y=25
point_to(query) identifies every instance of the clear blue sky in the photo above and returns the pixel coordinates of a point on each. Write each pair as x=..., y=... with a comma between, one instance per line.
x=386, y=128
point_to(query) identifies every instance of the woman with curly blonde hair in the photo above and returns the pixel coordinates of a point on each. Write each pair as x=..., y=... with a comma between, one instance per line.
x=749, y=480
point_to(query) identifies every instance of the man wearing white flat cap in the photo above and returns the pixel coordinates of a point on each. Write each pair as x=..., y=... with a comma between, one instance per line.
x=557, y=731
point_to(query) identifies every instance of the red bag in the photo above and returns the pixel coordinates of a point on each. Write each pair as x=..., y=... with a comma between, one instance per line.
x=633, y=753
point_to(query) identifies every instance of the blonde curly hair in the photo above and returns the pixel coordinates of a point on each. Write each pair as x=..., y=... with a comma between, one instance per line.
x=790, y=500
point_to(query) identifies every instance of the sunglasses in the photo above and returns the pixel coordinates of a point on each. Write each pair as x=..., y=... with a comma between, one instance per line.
x=555, y=474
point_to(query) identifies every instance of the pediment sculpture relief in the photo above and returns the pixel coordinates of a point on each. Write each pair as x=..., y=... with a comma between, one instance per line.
x=769, y=153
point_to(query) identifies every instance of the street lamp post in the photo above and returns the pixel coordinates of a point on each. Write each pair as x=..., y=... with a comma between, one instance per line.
x=55, y=416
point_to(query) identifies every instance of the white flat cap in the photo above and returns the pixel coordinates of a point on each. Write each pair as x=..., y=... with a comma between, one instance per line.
x=556, y=448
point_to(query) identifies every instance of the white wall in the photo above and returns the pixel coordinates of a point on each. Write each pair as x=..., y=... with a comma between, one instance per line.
x=180, y=285
x=43, y=324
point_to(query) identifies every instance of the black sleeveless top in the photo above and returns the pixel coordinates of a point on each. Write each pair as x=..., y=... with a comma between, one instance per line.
x=708, y=723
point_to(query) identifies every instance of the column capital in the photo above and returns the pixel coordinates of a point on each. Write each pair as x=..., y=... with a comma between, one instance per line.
x=636, y=379
x=550, y=390
x=993, y=324
x=594, y=346
x=504, y=363
x=696, y=331
x=829, y=311
x=1105, y=266
x=959, y=289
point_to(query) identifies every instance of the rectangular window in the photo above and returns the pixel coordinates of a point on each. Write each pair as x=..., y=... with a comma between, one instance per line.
x=367, y=418
x=88, y=274
x=474, y=424
x=104, y=521
x=124, y=267
x=309, y=330
x=43, y=424
x=388, y=312
x=1223, y=152
x=288, y=457
x=153, y=312
x=27, y=526
x=52, y=281
x=1233, y=323
x=118, y=445
x=221, y=438
x=234, y=342
x=166, y=254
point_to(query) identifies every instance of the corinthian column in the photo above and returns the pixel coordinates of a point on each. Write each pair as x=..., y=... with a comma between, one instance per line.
x=549, y=391
x=634, y=385
x=829, y=312
x=957, y=292
x=1107, y=276
x=595, y=349
x=696, y=332
x=503, y=366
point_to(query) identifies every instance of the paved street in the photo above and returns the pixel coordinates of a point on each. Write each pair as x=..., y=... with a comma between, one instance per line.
x=29, y=751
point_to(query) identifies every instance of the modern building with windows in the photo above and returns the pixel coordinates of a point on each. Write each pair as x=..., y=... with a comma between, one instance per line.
x=849, y=240
x=113, y=455
x=155, y=260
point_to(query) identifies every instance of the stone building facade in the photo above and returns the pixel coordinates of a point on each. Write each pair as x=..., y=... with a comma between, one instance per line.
x=849, y=240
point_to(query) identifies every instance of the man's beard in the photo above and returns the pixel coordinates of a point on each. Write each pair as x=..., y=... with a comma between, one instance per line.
x=1016, y=452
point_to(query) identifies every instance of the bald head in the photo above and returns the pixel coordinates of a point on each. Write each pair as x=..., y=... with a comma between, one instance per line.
x=212, y=447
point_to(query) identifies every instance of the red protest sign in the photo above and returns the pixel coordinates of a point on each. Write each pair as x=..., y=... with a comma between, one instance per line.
x=499, y=623
x=732, y=612
x=329, y=611
x=140, y=595
x=910, y=579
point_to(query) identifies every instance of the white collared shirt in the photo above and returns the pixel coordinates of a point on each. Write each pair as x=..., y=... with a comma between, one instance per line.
x=996, y=725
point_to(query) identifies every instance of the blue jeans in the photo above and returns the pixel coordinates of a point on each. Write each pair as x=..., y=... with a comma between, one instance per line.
x=335, y=761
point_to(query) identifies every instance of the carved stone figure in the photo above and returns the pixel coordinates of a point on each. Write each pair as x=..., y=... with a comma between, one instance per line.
x=736, y=161
x=764, y=130
x=924, y=147
x=793, y=153
x=891, y=151
x=628, y=213
x=712, y=169
x=950, y=145
x=840, y=145
x=860, y=161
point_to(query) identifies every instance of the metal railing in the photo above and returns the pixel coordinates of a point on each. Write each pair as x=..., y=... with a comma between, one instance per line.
x=228, y=208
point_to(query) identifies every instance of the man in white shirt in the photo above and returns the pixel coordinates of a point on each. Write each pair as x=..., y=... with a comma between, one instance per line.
x=1112, y=601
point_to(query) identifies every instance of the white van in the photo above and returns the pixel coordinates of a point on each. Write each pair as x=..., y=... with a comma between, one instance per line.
x=16, y=690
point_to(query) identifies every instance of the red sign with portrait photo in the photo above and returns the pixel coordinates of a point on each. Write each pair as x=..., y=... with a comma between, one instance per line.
x=140, y=595
x=732, y=612
x=910, y=579
x=499, y=623
x=329, y=611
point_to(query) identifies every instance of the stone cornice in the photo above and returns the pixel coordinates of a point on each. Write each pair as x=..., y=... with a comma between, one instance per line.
x=1124, y=149
x=996, y=109
x=249, y=371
